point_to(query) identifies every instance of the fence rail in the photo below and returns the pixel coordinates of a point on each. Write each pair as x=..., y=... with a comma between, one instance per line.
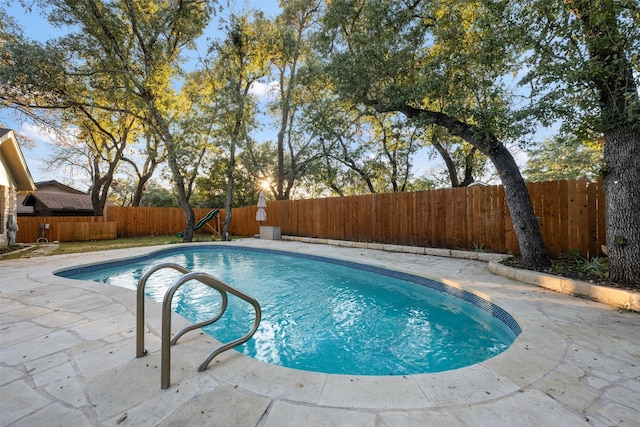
x=571, y=215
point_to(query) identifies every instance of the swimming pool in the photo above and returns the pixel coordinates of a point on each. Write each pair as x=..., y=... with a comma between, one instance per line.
x=327, y=315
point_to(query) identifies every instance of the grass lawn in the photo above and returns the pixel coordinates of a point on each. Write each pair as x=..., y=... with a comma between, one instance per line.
x=19, y=251
x=128, y=242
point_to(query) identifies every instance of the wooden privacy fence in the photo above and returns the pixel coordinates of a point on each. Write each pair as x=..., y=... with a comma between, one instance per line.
x=138, y=222
x=65, y=228
x=117, y=222
x=571, y=215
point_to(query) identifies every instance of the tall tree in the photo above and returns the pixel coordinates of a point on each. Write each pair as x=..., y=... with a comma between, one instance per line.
x=406, y=56
x=585, y=72
x=290, y=50
x=137, y=46
x=241, y=60
x=152, y=155
x=91, y=141
x=107, y=141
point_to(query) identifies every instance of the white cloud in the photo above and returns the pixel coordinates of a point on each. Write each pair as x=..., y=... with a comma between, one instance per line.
x=264, y=90
x=38, y=134
x=39, y=149
x=519, y=155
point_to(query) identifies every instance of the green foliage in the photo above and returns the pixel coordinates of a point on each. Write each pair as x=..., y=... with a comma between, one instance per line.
x=595, y=265
x=157, y=196
x=556, y=267
x=450, y=56
x=297, y=149
x=582, y=62
x=564, y=158
x=421, y=183
x=478, y=247
x=211, y=189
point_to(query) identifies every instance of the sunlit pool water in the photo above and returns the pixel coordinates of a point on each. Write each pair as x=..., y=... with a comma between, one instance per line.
x=325, y=315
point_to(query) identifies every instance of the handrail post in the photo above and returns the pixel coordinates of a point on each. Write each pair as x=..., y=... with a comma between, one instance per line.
x=140, y=351
x=165, y=346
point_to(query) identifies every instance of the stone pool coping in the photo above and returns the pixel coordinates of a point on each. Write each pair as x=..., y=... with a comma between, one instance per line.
x=68, y=351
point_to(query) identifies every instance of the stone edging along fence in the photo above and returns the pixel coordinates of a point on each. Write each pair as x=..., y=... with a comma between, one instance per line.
x=621, y=298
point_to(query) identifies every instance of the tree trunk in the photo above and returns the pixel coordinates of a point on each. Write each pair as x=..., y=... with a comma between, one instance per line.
x=525, y=223
x=189, y=216
x=96, y=201
x=100, y=189
x=284, y=120
x=468, y=168
x=228, y=205
x=622, y=200
x=148, y=169
x=526, y=226
x=183, y=200
x=228, y=209
x=451, y=167
x=137, y=196
x=96, y=186
x=178, y=179
x=614, y=79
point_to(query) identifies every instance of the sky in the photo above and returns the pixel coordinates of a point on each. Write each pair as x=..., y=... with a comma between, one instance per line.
x=38, y=143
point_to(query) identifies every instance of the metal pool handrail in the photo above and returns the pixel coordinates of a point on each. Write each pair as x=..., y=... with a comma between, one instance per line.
x=140, y=351
x=166, y=341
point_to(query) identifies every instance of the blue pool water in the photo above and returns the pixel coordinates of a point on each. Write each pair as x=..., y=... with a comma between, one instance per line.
x=326, y=315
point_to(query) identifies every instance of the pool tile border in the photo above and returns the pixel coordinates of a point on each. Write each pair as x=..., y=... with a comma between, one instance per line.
x=489, y=307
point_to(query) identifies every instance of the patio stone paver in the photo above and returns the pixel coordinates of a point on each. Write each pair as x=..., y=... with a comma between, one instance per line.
x=67, y=357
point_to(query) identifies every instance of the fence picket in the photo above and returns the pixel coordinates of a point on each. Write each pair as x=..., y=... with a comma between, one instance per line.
x=571, y=215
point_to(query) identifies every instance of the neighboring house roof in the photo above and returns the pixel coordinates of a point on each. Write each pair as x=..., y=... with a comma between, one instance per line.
x=63, y=201
x=55, y=198
x=14, y=162
x=57, y=187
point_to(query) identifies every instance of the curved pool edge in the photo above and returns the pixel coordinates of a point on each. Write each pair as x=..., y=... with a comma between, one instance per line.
x=452, y=289
x=537, y=350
